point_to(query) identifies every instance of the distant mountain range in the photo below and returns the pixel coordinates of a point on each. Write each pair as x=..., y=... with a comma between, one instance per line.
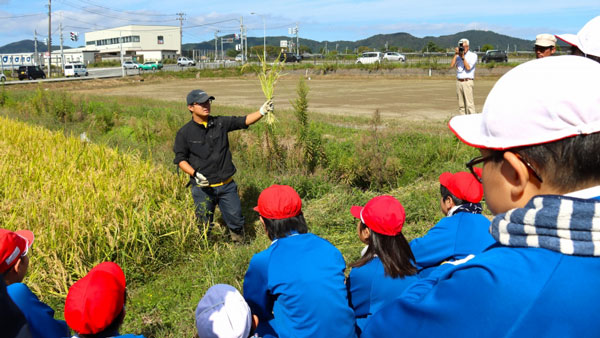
x=404, y=41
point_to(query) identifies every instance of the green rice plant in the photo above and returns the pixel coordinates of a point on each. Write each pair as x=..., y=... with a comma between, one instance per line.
x=268, y=76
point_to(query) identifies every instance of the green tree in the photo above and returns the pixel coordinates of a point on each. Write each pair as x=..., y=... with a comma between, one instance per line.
x=232, y=53
x=305, y=49
x=363, y=49
x=431, y=47
x=486, y=47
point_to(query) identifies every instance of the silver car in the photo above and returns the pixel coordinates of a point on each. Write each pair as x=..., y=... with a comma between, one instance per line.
x=394, y=56
x=130, y=65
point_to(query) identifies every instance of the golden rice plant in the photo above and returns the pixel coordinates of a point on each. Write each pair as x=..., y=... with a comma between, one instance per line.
x=86, y=204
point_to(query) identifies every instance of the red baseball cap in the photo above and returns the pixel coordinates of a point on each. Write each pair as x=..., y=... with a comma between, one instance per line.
x=13, y=245
x=279, y=202
x=463, y=185
x=95, y=300
x=383, y=214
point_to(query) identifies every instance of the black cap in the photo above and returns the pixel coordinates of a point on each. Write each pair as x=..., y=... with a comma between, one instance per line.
x=198, y=96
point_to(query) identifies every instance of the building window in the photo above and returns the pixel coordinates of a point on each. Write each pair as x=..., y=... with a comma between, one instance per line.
x=161, y=40
x=136, y=38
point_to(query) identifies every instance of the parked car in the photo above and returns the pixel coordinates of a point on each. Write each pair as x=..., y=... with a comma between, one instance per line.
x=75, y=69
x=31, y=72
x=183, y=61
x=394, y=56
x=2, y=77
x=151, y=65
x=370, y=57
x=238, y=58
x=130, y=65
x=494, y=55
x=290, y=57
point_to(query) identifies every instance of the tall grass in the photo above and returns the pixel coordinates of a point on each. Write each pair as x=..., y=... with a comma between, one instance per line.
x=86, y=204
x=119, y=198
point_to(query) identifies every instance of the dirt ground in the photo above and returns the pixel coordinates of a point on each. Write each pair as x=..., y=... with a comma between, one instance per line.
x=414, y=99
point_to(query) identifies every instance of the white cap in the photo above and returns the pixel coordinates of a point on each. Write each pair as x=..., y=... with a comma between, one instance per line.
x=540, y=101
x=223, y=313
x=465, y=41
x=588, y=38
x=545, y=40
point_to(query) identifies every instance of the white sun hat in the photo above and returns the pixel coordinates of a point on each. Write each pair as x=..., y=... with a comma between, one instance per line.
x=223, y=313
x=540, y=101
x=587, y=39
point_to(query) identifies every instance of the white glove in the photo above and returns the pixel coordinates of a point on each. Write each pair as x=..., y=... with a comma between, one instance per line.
x=201, y=181
x=267, y=107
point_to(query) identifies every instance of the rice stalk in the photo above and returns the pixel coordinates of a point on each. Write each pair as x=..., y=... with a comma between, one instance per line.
x=268, y=76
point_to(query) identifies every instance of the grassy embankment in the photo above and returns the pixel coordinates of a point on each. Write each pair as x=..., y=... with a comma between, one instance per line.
x=120, y=198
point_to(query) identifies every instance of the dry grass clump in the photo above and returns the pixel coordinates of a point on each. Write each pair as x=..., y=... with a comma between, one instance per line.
x=86, y=204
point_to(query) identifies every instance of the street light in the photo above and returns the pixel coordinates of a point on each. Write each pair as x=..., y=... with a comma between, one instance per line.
x=264, y=34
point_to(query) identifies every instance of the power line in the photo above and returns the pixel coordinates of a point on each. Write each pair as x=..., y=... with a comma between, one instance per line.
x=68, y=3
x=22, y=16
x=122, y=11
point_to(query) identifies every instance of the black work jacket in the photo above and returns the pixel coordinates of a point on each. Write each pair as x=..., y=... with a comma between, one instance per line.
x=206, y=149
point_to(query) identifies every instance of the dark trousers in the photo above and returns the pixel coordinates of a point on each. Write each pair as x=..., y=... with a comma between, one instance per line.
x=227, y=198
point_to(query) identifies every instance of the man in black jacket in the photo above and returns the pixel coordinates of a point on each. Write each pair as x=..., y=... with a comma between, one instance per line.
x=202, y=151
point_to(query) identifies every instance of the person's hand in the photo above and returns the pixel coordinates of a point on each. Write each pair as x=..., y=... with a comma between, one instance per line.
x=456, y=50
x=201, y=181
x=267, y=107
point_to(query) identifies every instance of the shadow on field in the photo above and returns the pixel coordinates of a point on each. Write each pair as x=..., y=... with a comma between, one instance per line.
x=249, y=197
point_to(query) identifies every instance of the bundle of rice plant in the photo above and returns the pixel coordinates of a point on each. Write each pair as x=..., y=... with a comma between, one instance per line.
x=268, y=76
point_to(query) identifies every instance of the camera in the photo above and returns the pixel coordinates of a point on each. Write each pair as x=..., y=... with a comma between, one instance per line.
x=461, y=48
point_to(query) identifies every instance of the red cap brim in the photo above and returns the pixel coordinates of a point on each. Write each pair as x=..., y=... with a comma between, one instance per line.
x=355, y=211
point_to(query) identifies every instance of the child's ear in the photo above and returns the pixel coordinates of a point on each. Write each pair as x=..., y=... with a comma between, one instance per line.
x=517, y=175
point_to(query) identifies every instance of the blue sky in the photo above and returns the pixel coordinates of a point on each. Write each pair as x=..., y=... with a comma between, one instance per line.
x=317, y=19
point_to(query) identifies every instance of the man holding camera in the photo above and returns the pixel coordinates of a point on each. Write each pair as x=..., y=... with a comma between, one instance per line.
x=464, y=61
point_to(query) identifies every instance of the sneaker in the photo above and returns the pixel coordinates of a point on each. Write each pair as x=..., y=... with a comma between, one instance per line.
x=236, y=237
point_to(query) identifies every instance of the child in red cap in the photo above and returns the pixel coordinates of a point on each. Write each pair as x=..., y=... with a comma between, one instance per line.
x=296, y=286
x=387, y=266
x=463, y=232
x=95, y=304
x=14, y=263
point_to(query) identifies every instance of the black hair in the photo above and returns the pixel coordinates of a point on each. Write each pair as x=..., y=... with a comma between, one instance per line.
x=393, y=251
x=567, y=164
x=446, y=193
x=279, y=228
x=113, y=327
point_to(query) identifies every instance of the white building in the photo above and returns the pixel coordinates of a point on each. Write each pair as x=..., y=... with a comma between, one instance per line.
x=152, y=43
x=83, y=55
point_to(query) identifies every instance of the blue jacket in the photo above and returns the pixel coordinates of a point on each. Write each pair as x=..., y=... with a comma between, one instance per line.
x=511, y=289
x=296, y=288
x=39, y=315
x=369, y=289
x=453, y=237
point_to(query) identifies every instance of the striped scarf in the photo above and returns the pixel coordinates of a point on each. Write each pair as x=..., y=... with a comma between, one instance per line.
x=564, y=224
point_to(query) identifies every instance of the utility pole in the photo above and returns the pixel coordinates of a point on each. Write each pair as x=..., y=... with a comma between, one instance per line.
x=35, y=51
x=216, y=52
x=222, y=55
x=297, y=41
x=49, y=37
x=121, y=43
x=246, y=43
x=242, y=38
x=181, y=18
x=62, y=54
